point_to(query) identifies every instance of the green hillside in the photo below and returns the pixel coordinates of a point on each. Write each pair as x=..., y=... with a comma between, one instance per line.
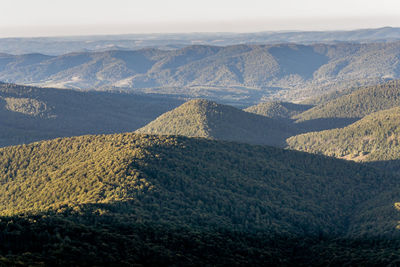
x=357, y=104
x=278, y=109
x=30, y=114
x=374, y=138
x=322, y=99
x=137, y=199
x=203, y=118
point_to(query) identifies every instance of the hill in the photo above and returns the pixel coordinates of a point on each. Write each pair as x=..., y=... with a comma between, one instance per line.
x=122, y=198
x=358, y=103
x=374, y=138
x=30, y=114
x=325, y=98
x=203, y=118
x=278, y=109
x=245, y=73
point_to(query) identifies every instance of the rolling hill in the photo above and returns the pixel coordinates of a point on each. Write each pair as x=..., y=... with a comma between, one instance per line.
x=30, y=114
x=244, y=73
x=278, y=109
x=374, y=138
x=203, y=118
x=110, y=199
x=340, y=109
x=357, y=103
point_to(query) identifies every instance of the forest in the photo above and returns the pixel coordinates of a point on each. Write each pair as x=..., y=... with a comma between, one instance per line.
x=121, y=198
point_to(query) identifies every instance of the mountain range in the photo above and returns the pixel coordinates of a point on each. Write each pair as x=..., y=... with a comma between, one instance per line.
x=170, y=41
x=241, y=75
x=31, y=114
x=201, y=149
x=188, y=195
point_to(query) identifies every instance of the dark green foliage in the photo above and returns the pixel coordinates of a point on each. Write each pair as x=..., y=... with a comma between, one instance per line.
x=191, y=181
x=152, y=200
x=30, y=114
x=86, y=239
x=202, y=118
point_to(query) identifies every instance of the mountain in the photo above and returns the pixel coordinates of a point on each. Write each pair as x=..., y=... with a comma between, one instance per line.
x=30, y=114
x=104, y=199
x=203, y=118
x=63, y=45
x=358, y=103
x=241, y=74
x=278, y=109
x=108, y=199
x=341, y=109
x=325, y=98
x=374, y=138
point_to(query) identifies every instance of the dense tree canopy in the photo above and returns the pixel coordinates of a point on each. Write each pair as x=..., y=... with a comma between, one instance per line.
x=121, y=198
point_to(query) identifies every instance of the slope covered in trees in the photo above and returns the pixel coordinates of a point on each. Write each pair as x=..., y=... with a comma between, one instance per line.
x=30, y=114
x=203, y=118
x=356, y=104
x=111, y=199
x=374, y=138
x=278, y=109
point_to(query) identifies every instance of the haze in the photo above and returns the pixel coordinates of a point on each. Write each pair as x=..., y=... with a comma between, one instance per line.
x=75, y=17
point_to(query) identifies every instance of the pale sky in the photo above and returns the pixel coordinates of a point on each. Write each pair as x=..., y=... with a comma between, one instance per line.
x=82, y=17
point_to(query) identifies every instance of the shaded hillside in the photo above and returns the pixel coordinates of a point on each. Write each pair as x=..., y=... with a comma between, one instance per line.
x=277, y=109
x=242, y=72
x=357, y=104
x=374, y=138
x=203, y=118
x=131, y=198
x=30, y=114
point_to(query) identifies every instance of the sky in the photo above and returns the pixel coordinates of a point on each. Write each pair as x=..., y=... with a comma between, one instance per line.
x=21, y=18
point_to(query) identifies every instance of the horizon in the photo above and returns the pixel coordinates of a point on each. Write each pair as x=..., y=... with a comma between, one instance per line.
x=199, y=32
x=47, y=18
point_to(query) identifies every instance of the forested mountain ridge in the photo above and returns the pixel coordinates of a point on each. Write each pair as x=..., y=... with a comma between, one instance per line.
x=30, y=114
x=374, y=138
x=356, y=103
x=242, y=72
x=278, y=109
x=148, y=194
x=203, y=118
